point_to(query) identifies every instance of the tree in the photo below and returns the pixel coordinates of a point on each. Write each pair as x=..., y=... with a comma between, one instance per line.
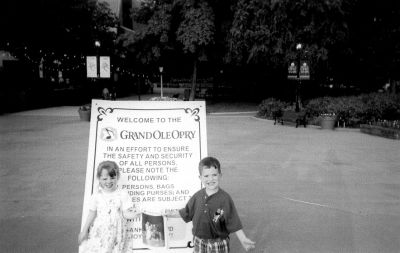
x=177, y=26
x=374, y=31
x=151, y=34
x=266, y=32
x=61, y=26
x=196, y=32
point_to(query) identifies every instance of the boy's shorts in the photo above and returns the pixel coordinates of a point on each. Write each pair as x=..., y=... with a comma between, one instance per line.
x=211, y=245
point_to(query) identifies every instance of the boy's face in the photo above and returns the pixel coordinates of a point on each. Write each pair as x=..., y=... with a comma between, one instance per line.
x=210, y=178
x=109, y=184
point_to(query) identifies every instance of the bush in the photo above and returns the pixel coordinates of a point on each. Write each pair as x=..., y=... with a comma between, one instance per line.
x=87, y=107
x=164, y=99
x=271, y=108
x=388, y=132
x=323, y=105
x=380, y=106
x=350, y=111
x=356, y=110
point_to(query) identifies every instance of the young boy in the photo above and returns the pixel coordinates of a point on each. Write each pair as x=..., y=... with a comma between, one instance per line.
x=213, y=213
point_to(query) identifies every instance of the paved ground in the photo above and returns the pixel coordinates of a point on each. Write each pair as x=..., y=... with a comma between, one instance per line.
x=297, y=190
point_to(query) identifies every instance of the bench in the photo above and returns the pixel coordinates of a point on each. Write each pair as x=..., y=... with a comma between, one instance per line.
x=300, y=118
x=204, y=93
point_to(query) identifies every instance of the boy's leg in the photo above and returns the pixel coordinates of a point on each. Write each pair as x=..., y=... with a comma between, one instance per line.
x=211, y=246
x=199, y=246
x=220, y=246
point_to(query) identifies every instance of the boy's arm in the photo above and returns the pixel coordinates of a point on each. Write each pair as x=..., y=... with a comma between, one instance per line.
x=246, y=242
x=85, y=230
x=172, y=213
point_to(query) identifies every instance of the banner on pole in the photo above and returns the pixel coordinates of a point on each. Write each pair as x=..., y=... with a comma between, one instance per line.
x=105, y=67
x=292, y=71
x=304, y=71
x=41, y=76
x=157, y=145
x=91, y=66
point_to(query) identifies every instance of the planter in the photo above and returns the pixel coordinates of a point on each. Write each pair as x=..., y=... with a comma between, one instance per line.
x=328, y=122
x=84, y=115
x=386, y=132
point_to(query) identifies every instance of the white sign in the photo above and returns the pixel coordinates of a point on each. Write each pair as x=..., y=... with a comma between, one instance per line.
x=157, y=145
x=91, y=66
x=304, y=71
x=105, y=67
x=41, y=68
x=292, y=71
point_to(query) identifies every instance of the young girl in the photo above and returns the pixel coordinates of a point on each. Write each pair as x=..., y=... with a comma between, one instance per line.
x=108, y=208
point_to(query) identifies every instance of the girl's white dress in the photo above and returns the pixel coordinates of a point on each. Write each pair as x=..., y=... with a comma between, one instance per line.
x=107, y=234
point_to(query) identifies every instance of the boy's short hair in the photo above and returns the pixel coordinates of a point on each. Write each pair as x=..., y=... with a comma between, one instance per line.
x=110, y=166
x=209, y=162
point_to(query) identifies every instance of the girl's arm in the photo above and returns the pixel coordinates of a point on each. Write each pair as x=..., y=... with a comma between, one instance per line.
x=129, y=210
x=246, y=242
x=85, y=230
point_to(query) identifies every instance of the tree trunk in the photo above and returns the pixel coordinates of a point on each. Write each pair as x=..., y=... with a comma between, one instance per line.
x=193, y=89
x=394, y=85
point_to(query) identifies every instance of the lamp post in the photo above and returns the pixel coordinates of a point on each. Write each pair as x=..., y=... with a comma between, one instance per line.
x=298, y=48
x=139, y=90
x=97, y=45
x=161, y=70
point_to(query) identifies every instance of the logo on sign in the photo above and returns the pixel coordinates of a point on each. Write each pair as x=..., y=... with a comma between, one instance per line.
x=108, y=134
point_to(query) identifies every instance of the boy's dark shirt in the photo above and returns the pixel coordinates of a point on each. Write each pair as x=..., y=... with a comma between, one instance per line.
x=202, y=209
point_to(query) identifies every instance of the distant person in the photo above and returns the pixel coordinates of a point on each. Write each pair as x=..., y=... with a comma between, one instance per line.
x=113, y=94
x=106, y=93
x=150, y=85
x=213, y=213
x=105, y=226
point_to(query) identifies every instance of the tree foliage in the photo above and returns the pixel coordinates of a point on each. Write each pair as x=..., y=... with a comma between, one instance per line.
x=348, y=40
x=151, y=33
x=374, y=41
x=266, y=32
x=61, y=26
x=196, y=31
x=176, y=26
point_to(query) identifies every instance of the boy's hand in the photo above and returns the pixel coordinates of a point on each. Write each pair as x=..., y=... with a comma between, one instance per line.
x=173, y=213
x=247, y=244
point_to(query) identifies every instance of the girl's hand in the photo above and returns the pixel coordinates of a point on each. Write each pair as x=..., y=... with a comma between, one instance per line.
x=131, y=213
x=82, y=236
x=133, y=210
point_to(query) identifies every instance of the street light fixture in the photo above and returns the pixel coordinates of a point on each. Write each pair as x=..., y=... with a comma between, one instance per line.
x=298, y=48
x=161, y=70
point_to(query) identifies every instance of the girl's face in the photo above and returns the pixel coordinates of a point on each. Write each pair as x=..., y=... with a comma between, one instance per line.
x=107, y=183
x=210, y=178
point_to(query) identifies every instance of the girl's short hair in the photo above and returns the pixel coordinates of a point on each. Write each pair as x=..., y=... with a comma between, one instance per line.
x=209, y=162
x=111, y=167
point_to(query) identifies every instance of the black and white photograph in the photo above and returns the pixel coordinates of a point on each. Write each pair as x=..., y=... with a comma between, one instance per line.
x=153, y=230
x=198, y=126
